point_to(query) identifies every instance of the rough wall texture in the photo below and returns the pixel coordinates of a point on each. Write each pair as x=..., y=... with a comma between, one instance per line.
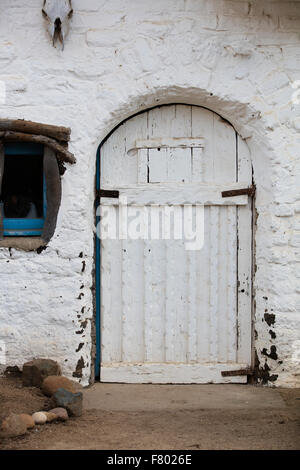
x=238, y=58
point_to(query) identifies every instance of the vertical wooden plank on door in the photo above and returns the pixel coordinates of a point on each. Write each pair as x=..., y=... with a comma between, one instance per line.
x=213, y=283
x=111, y=174
x=143, y=165
x=203, y=126
x=158, y=165
x=176, y=292
x=223, y=281
x=179, y=165
x=197, y=165
x=180, y=159
x=180, y=296
x=244, y=259
x=108, y=350
x=119, y=304
x=156, y=254
x=192, y=304
x=112, y=152
x=135, y=128
x=203, y=293
x=231, y=315
x=225, y=170
x=147, y=301
x=180, y=170
x=224, y=155
x=133, y=293
x=154, y=300
x=112, y=156
x=112, y=287
x=160, y=121
x=170, y=305
x=202, y=161
x=160, y=125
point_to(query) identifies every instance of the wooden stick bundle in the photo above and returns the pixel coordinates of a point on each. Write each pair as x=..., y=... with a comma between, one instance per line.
x=59, y=133
x=62, y=153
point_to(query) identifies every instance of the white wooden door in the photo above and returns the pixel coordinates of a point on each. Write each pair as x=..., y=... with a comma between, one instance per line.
x=168, y=314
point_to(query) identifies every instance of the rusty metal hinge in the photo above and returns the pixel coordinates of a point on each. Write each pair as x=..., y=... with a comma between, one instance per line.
x=240, y=192
x=233, y=373
x=107, y=193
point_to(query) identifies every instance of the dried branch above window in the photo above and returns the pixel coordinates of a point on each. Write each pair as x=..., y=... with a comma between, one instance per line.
x=61, y=153
x=53, y=137
x=61, y=134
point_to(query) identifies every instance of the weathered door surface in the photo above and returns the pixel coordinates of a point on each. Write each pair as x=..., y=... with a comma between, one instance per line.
x=171, y=314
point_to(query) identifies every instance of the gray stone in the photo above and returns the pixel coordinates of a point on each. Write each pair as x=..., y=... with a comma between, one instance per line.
x=72, y=402
x=34, y=372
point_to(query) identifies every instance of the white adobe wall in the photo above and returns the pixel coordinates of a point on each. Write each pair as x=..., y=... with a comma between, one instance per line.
x=238, y=58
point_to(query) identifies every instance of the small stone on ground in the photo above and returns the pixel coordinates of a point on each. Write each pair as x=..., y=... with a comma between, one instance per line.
x=71, y=401
x=51, y=416
x=28, y=420
x=52, y=383
x=34, y=372
x=61, y=413
x=40, y=417
x=13, y=426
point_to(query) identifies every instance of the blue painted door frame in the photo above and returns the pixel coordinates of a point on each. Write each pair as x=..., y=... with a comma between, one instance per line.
x=97, y=274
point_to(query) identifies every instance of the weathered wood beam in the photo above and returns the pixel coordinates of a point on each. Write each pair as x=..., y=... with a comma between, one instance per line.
x=55, y=132
x=62, y=153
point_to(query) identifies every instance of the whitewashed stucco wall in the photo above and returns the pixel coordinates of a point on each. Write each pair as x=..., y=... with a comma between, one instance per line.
x=238, y=58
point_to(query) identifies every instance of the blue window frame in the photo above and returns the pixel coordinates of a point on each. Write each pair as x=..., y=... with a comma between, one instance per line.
x=25, y=226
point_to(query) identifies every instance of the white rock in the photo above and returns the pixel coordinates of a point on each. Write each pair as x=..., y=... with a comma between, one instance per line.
x=39, y=417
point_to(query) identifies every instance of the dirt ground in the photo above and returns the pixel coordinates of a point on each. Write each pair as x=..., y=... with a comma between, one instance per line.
x=120, y=417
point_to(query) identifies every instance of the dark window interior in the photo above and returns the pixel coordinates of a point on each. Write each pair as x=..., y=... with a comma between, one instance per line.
x=22, y=186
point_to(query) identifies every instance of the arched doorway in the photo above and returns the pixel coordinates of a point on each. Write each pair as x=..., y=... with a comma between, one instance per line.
x=169, y=314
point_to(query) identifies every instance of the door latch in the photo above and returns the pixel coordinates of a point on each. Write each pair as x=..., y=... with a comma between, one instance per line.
x=108, y=193
x=240, y=192
x=236, y=373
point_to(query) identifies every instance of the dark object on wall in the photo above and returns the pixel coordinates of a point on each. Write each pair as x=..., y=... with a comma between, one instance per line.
x=53, y=184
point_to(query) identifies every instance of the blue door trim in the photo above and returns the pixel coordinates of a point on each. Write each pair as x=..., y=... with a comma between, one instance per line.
x=97, y=276
x=27, y=148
